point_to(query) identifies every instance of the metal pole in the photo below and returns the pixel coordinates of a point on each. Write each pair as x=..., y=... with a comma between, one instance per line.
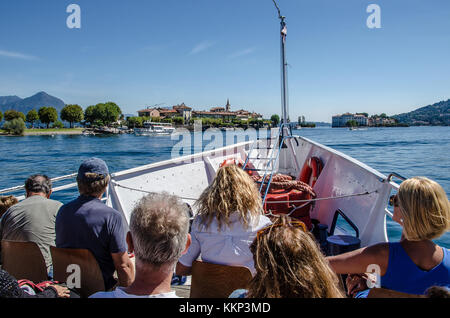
x=284, y=85
x=283, y=70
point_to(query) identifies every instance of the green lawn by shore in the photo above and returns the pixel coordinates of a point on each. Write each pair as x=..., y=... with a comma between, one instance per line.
x=50, y=131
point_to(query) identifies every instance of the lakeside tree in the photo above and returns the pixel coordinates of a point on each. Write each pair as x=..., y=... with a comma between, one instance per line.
x=58, y=124
x=308, y=125
x=166, y=120
x=47, y=115
x=1, y=116
x=135, y=122
x=102, y=114
x=15, y=126
x=351, y=123
x=193, y=120
x=32, y=117
x=89, y=114
x=256, y=123
x=13, y=114
x=275, y=119
x=99, y=114
x=178, y=120
x=112, y=113
x=236, y=121
x=72, y=114
x=212, y=122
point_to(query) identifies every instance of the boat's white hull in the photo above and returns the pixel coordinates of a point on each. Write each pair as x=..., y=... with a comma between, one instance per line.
x=145, y=132
x=359, y=191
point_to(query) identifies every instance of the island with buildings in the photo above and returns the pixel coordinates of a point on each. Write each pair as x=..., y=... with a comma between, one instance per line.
x=186, y=116
x=364, y=120
x=46, y=114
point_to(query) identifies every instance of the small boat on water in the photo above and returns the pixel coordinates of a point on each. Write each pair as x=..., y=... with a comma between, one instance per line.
x=88, y=132
x=154, y=129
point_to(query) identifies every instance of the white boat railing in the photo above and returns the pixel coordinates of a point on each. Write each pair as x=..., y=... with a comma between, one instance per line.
x=21, y=187
x=393, y=185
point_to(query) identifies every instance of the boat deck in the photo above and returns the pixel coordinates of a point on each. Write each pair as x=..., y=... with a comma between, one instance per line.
x=183, y=290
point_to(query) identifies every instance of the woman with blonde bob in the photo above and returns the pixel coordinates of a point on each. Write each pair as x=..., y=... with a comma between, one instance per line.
x=415, y=263
x=229, y=213
x=289, y=264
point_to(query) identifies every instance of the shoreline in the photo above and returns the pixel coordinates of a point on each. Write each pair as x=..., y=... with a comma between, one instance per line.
x=48, y=133
x=44, y=132
x=79, y=131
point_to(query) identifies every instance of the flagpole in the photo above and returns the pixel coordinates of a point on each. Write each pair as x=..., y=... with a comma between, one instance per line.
x=284, y=85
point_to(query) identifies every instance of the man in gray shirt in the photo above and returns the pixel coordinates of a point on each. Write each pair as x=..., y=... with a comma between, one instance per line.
x=33, y=219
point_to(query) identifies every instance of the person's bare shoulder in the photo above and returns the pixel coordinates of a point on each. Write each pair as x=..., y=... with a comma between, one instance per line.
x=379, y=253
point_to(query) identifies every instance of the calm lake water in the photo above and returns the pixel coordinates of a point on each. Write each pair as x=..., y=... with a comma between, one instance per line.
x=413, y=151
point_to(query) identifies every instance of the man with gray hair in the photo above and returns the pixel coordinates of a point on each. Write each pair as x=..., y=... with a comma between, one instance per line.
x=159, y=235
x=33, y=219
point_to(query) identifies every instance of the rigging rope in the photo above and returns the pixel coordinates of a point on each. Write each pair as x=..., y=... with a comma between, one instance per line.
x=290, y=201
x=278, y=9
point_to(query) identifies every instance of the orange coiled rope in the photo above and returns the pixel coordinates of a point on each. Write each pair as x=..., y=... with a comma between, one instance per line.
x=284, y=182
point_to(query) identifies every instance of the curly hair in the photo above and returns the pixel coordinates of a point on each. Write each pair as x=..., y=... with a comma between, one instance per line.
x=6, y=202
x=289, y=264
x=232, y=191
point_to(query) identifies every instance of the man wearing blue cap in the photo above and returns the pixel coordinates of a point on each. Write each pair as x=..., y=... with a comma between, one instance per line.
x=88, y=223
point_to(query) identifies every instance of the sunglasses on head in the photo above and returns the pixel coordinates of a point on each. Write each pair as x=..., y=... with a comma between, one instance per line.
x=298, y=224
x=393, y=200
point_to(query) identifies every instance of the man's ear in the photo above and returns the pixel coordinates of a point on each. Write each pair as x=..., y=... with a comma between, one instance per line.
x=130, y=243
x=188, y=243
x=49, y=194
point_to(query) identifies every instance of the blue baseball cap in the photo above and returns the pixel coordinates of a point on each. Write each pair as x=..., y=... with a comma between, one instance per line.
x=93, y=165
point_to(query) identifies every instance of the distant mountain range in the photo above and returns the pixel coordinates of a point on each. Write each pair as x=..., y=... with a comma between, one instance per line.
x=437, y=115
x=33, y=102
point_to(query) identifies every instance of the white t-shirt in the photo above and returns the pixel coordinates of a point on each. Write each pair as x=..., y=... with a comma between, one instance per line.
x=230, y=246
x=120, y=293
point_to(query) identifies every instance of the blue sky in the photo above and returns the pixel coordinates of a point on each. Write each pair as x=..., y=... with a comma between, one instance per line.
x=201, y=52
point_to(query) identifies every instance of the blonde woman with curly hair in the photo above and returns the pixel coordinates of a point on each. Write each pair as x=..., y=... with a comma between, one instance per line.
x=289, y=264
x=415, y=263
x=229, y=213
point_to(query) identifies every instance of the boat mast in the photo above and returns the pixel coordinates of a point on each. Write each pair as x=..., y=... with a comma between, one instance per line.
x=284, y=86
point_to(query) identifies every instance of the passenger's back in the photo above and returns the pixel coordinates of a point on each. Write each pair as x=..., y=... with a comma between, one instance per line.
x=32, y=220
x=87, y=223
